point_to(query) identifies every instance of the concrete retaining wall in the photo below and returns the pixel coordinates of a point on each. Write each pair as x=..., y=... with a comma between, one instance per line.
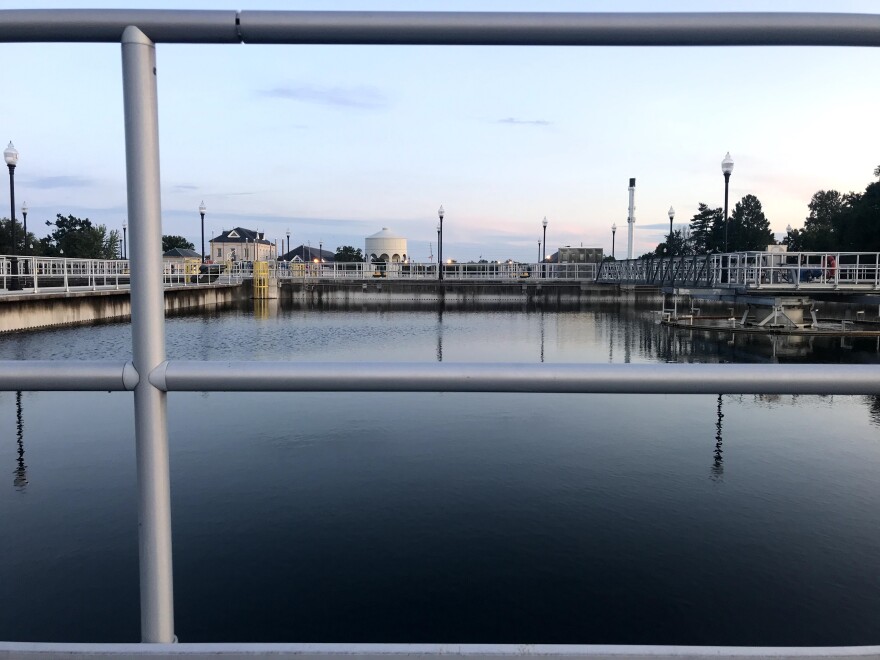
x=461, y=293
x=26, y=311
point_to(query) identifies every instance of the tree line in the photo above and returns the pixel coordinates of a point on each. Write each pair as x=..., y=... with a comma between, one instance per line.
x=836, y=222
x=70, y=237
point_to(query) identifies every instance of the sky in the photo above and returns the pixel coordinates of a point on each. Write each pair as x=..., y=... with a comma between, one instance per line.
x=333, y=143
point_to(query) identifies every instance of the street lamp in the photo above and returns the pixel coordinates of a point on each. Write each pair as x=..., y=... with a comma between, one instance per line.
x=671, y=213
x=125, y=239
x=202, y=209
x=726, y=169
x=613, y=232
x=539, y=251
x=288, y=240
x=544, y=253
x=11, y=156
x=440, y=213
x=24, y=212
x=788, y=230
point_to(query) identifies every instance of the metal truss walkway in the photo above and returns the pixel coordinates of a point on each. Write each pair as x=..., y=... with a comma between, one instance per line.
x=743, y=272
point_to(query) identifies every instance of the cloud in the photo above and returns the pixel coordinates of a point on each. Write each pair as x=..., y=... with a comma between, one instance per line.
x=185, y=188
x=48, y=182
x=523, y=122
x=362, y=97
x=659, y=225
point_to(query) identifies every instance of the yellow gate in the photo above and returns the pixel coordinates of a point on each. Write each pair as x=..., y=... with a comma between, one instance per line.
x=261, y=280
x=191, y=265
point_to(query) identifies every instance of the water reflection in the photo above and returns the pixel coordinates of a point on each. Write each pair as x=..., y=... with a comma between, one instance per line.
x=440, y=334
x=717, y=469
x=542, y=334
x=20, y=480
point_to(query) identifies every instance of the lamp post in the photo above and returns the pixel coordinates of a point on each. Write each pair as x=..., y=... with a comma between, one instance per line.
x=788, y=230
x=24, y=212
x=202, y=209
x=124, y=239
x=544, y=253
x=288, y=241
x=726, y=169
x=11, y=156
x=613, y=233
x=671, y=213
x=539, y=251
x=440, y=213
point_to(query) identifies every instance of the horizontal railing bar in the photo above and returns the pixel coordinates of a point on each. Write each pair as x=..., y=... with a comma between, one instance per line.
x=560, y=29
x=444, y=28
x=425, y=651
x=106, y=25
x=67, y=376
x=196, y=376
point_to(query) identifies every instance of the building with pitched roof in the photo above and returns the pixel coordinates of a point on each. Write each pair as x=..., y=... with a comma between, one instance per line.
x=307, y=253
x=240, y=244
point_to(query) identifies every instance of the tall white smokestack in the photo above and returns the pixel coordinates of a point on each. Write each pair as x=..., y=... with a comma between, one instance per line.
x=631, y=218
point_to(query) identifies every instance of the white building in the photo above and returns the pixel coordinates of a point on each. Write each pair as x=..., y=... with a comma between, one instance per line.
x=386, y=246
x=241, y=244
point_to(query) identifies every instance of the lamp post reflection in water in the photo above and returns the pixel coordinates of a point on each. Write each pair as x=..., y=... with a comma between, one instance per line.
x=717, y=470
x=20, y=480
x=440, y=334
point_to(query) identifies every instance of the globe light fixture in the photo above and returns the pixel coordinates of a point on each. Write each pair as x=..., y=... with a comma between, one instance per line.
x=10, y=154
x=202, y=210
x=440, y=214
x=544, y=224
x=24, y=212
x=726, y=170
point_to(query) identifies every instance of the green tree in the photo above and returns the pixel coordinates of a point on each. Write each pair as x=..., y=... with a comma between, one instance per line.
x=349, y=254
x=877, y=171
x=676, y=245
x=171, y=242
x=706, y=227
x=859, y=226
x=822, y=227
x=77, y=237
x=22, y=243
x=749, y=228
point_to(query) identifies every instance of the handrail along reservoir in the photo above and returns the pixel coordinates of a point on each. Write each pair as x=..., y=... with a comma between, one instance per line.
x=151, y=376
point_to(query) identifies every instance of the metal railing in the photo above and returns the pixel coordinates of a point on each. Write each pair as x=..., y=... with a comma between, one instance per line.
x=50, y=274
x=151, y=376
x=506, y=271
x=843, y=271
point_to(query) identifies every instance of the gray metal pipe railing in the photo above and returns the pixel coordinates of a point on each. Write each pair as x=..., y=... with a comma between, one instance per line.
x=199, y=376
x=307, y=651
x=139, y=91
x=67, y=376
x=444, y=28
x=191, y=375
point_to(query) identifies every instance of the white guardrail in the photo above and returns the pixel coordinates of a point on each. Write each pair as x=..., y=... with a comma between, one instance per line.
x=797, y=270
x=29, y=274
x=138, y=32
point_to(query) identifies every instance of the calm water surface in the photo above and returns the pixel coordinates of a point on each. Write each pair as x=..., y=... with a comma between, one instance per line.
x=449, y=517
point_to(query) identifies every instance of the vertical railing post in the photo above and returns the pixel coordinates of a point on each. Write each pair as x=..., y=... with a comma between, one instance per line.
x=148, y=334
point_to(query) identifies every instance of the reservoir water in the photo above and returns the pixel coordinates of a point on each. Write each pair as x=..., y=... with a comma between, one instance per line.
x=746, y=520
